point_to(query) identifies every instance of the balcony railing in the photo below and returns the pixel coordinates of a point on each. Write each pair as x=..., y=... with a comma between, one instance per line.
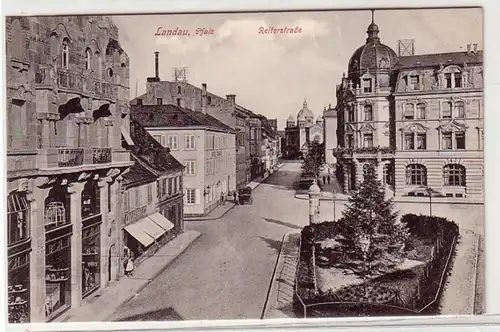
x=69, y=157
x=349, y=152
x=135, y=214
x=101, y=155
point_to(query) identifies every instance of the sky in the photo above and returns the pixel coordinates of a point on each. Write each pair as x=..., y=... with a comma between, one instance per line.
x=272, y=74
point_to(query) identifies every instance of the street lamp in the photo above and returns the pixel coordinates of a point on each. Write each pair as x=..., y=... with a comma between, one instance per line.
x=334, y=195
x=429, y=192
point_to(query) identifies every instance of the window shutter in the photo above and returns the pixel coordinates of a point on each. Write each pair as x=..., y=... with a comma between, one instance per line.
x=197, y=196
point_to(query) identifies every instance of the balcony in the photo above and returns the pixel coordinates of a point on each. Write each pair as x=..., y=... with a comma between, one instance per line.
x=69, y=157
x=135, y=214
x=101, y=155
x=363, y=152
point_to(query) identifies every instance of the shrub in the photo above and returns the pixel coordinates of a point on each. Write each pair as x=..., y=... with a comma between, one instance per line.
x=319, y=232
x=429, y=227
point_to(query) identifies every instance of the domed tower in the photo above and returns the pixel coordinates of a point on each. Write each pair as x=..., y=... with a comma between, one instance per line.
x=290, y=122
x=305, y=116
x=370, y=64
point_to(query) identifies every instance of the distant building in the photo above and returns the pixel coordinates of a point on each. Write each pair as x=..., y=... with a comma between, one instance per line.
x=203, y=144
x=153, y=195
x=66, y=78
x=420, y=117
x=299, y=133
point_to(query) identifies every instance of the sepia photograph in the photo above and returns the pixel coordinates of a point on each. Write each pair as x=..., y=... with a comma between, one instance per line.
x=246, y=165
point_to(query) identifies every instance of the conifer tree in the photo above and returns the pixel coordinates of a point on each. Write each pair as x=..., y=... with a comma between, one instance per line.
x=314, y=160
x=373, y=241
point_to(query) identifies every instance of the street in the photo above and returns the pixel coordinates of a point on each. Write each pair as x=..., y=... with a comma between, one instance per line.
x=227, y=272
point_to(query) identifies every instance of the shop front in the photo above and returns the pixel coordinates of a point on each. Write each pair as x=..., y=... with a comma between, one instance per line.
x=58, y=232
x=19, y=248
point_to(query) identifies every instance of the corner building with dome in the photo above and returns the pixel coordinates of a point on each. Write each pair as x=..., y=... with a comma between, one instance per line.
x=420, y=117
x=299, y=133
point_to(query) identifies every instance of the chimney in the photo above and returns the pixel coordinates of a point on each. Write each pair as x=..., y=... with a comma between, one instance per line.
x=231, y=98
x=157, y=64
x=475, y=48
x=468, y=48
x=204, y=98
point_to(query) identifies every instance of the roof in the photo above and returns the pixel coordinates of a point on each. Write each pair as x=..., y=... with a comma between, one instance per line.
x=138, y=174
x=150, y=151
x=438, y=59
x=173, y=116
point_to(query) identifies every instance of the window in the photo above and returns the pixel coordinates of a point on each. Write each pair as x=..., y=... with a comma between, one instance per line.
x=164, y=186
x=446, y=114
x=150, y=193
x=448, y=80
x=408, y=112
x=98, y=63
x=414, y=82
x=368, y=113
x=159, y=101
x=350, y=114
x=179, y=90
x=158, y=138
x=367, y=140
x=65, y=53
x=421, y=142
x=447, y=141
x=190, y=196
x=458, y=80
x=139, y=101
x=209, y=100
x=126, y=201
x=91, y=199
x=88, y=59
x=416, y=174
x=190, y=167
x=172, y=142
x=178, y=101
x=17, y=217
x=367, y=85
x=409, y=141
x=421, y=111
x=454, y=175
x=350, y=141
x=459, y=110
x=460, y=140
x=189, y=142
x=170, y=186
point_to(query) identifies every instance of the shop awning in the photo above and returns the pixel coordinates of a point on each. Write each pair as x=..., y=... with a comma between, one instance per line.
x=139, y=235
x=126, y=136
x=162, y=221
x=151, y=228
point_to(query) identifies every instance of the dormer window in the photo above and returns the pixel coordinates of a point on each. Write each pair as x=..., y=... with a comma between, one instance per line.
x=458, y=80
x=448, y=79
x=414, y=82
x=367, y=85
x=65, y=53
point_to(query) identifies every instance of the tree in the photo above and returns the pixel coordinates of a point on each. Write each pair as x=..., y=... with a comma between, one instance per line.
x=373, y=242
x=314, y=160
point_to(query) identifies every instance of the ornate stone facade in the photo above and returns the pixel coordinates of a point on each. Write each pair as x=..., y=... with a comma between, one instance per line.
x=67, y=89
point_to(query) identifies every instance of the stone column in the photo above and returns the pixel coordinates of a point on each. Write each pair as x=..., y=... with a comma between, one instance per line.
x=109, y=137
x=104, y=187
x=116, y=220
x=75, y=190
x=314, y=197
x=37, y=256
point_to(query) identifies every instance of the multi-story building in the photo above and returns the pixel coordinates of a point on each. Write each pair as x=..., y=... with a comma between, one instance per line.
x=181, y=93
x=153, y=199
x=67, y=88
x=300, y=133
x=203, y=144
x=255, y=143
x=270, y=145
x=420, y=117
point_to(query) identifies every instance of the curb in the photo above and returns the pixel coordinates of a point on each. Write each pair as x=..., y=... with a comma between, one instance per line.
x=155, y=275
x=214, y=218
x=273, y=278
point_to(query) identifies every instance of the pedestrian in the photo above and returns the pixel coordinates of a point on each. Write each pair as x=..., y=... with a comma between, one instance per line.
x=222, y=198
x=324, y=179
x=129, y=270
x=328, y=178
x=234, y=196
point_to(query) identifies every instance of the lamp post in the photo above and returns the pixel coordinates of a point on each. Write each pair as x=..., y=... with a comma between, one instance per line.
x=429, y=192
x=334, y=195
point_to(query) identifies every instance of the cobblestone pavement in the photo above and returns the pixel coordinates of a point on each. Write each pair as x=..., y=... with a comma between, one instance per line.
x=227, y=272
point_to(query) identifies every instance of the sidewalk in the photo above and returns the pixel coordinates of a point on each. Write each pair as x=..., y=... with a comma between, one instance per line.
x=217, y=213
x=459, y=293
x=281, y=295
x=102, y=304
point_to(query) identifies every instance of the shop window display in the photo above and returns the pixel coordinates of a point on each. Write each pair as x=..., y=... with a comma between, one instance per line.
x=57, y=276
x=18, y=288
x=90, y=259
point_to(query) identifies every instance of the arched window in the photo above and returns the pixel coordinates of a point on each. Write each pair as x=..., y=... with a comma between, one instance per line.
x=57, y=207
x=65, y=53
x=368, y=113
x=17, y=217
x=459, y=110
x=416, y=174
x=88, y=59
x=91, y=199
x=454, y=175
x=179, y=90
x=420, y=111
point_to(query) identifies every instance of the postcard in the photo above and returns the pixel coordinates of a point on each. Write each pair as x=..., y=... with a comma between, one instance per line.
x=259, y=165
